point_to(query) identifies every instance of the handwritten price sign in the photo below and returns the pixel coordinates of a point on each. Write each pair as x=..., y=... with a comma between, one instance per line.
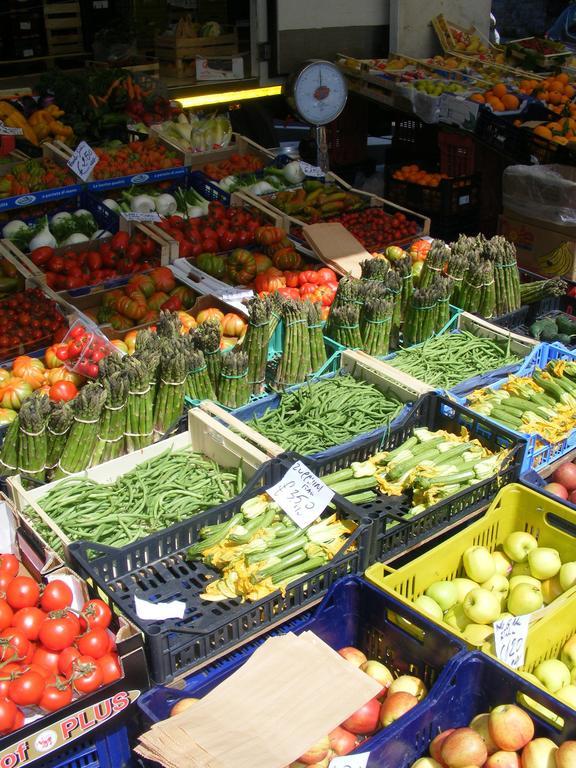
x=136, y=216
x=311, y=170
x=6, y=130
x=83, y=161
x=510, y=639
x=350, y=761
x=301, y=494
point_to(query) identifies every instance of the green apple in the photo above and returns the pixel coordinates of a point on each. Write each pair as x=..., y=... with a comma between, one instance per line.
x=515, y=580
x=477, y=633
x=553, y=673
x=478, y=564
x=481, y=606
x=520, y=569
x=568, y=654
x=524, y=598
x=502, y=563
x=568, y=576
x=567, y=694
x=517, y=545
x=455, y=617
x=429, y=607
x=463, y=586
x=444, y=593
x=551, y=589
x=544, y=562
x=498, y=583
x=532, y=678
x=573, y=675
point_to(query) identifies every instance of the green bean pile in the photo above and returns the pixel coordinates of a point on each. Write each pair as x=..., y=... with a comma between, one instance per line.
x=155, y=494
x=446, y=360
x=327, y=413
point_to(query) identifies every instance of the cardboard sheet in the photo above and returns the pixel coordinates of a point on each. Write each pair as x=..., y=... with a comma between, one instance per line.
x=336, y=247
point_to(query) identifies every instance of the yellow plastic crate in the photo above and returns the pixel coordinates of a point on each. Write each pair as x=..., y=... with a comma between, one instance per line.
x=516, y=508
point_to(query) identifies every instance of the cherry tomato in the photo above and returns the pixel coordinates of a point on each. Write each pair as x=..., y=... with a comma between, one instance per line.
x=47, y=659
x=5, y=580
x=29, y=620
x=66, y=658
x=87, y=675
x=57, y=694
x=27, y=689
x=57, y=594
x=6, y=614
x=19, y=721
x=8, y=712
x=40, y=669
x=9, y=564
x=57, y=632
x=94, y=643
x=23, y=592
x=14, y=645
x=110, y=666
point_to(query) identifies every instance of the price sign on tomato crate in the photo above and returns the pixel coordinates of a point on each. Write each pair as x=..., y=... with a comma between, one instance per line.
x=510, y=639
x=350, y=761
x=138, y=216
x=83, y=161
x=301, y=494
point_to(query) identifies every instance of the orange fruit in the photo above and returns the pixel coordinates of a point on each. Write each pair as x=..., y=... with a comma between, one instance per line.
x=543, y=131
x=500, y=90
x=556, y=86
x=478, y=97
x=569, y=91
x=554, y=97
x=510, y=101
x=563, y=77
x=496, y=104
x=560, y=140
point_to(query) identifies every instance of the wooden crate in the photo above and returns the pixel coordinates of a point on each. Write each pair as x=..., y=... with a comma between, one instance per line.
x=141, y=67
x=175, y=51
x=63, y=22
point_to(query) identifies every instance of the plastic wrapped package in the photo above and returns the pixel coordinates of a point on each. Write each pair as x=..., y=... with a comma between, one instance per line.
x=543, y=192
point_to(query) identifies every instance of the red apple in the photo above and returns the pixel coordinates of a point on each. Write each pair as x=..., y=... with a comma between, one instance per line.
x=364, y=720
x=316, y=753
x=395, y=705
x=463, y=747
x=557, y=490
x=380, y=673
x=566, y=755
x=353, y=655
x=539, y=753
x=510, y=727
x=503, y=759
x=480, y=725
x=572, y=497
x=437, y=742
x=409, y=684
x=341, y=741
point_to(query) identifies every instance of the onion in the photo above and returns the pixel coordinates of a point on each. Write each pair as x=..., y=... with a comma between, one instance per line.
x=181, y=706
x=556, y=490
x=566, y=476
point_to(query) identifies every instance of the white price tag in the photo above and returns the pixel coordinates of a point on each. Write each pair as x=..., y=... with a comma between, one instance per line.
x=83, y=161
x=301, y=494
x=6, y=130
x=463, y=199
x=350, y=761
x=25, y=25
x=99, y=5
x=136, y=216
x=27, y=52
x=311, y=170
x=510, y=639
x=159, y=611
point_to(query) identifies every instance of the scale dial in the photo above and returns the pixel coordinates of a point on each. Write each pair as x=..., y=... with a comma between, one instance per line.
x=318, y=91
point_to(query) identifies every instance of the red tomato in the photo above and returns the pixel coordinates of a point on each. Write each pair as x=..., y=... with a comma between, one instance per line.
x=309, y=291
x=27, y=689
x=308, y=276
x=23, y=592
x=57, y=694
x=66, y=659
x=291, y=279
x=96, y=614
x=94, y=643
x=14, y=645
x=47, y=659
x=5, y=580
x=40, y=669
x=6, y=614
x=57, y=594
x=87, y=675
x=58, y=632
x=29, y=620
x=62, y=391
x=8, y=711
x=9, y=564
x=110, y=667
x=326, y=275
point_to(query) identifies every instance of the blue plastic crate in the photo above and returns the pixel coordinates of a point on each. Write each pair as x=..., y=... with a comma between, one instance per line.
x=178, y=172
x=36, y=198
x=109, y=751
x=353, y=613
x=531, y=479
x=476, y=684
x=539, y=452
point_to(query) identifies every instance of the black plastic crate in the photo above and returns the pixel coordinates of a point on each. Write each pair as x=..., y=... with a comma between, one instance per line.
x=511, y=140
x=452, y=197
x=393, y=532
x=155, y=569
x=413, y=139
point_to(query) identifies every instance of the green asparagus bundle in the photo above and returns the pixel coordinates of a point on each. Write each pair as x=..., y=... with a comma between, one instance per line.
x=169, y=401
x=420, y=322
x=233, y=390
x=295, y=362
x=487, y=303
x=59, y=423
x=111, y=427
x=374, y=269
x=168, y=326
x=344, y=326
x=207, y=339
x=83, y=434
x=376, y=325
x=442, y=304
x=404, y=268
x=139, y=428
x=316, y=338
x=33, y=447
x=198, y=384
x=9, y=451
x=274, y=301
x=472, y=287
x=457, y=267
x=435, y=261
x=540, y=289
x=349, y=291
x=394, y=286
x=255, y=342
x=503, y=255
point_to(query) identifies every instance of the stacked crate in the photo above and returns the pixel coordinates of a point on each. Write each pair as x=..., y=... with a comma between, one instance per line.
x=63, y=22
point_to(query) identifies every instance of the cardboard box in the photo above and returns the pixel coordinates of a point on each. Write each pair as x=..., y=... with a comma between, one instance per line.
x=219, y=68
x=542, y=247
